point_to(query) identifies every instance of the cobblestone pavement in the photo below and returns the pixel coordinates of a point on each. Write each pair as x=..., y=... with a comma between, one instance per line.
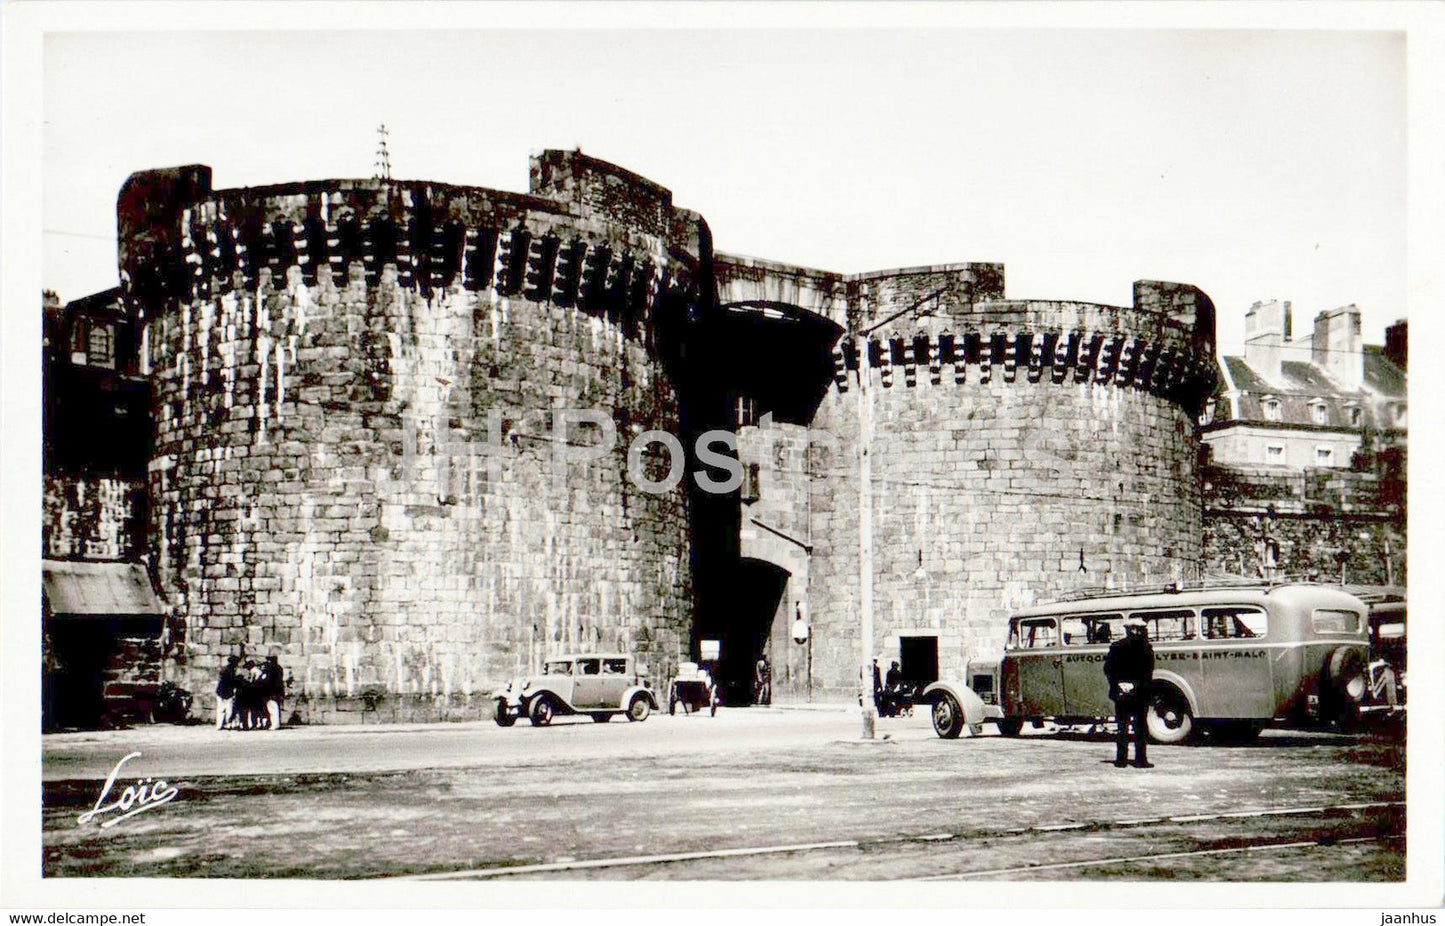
x=734, y=796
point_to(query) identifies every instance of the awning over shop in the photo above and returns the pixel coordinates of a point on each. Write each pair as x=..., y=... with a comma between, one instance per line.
x=98, y=589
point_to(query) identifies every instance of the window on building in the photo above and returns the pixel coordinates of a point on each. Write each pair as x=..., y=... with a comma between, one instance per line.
x=1324, y=456
x=747, y=411
x=1356, y=415
x=752, y=487
x=1271, y=409
x=100, y=346
x=1274, y=454
x=1399, y=416
x=1206, y=415
x=79, y=334
x=1321, y=413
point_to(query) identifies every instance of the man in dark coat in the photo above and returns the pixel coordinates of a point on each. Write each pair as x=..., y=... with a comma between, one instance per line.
x=271, y=684
x=226, y=688
x=1129, y=667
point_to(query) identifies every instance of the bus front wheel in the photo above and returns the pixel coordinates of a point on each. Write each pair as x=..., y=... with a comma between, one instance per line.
x=1169, y=719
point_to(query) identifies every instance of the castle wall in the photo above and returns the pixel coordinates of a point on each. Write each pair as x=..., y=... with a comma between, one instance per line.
x=356, y=458
x=1011, y=442
x=1318, y=524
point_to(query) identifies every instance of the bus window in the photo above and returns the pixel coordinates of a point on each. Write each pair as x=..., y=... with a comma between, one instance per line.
x=1075, y=631
x=1091, y=628
x=1039, y=633
x=1105, y=628
x=1234, y=623
x=1328, y=621
x=1165, y=626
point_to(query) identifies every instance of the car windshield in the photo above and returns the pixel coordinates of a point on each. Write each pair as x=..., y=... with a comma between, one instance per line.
x=558, y=667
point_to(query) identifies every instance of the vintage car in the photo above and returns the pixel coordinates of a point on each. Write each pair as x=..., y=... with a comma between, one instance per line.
x=596, y=684
x=1228, y=660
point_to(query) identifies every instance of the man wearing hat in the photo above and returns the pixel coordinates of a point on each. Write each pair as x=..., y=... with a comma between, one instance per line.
x=1129, y=667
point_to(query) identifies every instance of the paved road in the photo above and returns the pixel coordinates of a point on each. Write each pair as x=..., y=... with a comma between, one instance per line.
x=785, y=794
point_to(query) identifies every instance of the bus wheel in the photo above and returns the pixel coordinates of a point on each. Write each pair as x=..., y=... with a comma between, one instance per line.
x=947, y=717
x=1011, y=726
x=1169, y=719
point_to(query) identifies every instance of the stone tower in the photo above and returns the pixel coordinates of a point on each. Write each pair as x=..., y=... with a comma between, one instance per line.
x=361, y=459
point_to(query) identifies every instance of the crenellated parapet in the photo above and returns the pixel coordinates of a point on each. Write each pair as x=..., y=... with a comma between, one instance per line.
x=1150, y=364
x=438, y=239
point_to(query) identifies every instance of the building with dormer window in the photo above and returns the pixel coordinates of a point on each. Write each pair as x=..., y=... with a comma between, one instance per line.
x=1306, y=444
x=1306, y=401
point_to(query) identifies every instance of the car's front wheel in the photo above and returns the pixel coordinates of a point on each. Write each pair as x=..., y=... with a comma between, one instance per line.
x=638, y=708
x=947, y=717
x=542, y=712
x=504, y=717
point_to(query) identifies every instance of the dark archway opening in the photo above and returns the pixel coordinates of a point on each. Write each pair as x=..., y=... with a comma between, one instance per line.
x=744, y=626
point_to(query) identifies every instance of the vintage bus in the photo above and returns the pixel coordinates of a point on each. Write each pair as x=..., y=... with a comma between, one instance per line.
x=1227, y=660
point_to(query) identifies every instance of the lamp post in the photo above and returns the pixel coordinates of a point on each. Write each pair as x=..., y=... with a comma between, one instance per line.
x=865, y=506
x=865, y=542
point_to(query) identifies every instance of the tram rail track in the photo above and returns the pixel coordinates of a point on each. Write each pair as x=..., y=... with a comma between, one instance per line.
x=1338, y=812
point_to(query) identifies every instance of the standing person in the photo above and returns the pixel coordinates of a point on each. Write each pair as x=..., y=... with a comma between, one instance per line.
x=1129, y=667
x=226, y=692
x=763, y=681
x=271, y=685
x=894, y=677
x=893, y=690
x=248, y=700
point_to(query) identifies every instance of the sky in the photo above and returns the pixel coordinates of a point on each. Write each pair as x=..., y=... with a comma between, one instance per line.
x=1253, y=164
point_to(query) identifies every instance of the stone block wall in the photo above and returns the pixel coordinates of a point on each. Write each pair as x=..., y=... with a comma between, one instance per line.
x=358, y=393
x=777, y=528
x=1011, y=443
x=1328, y=525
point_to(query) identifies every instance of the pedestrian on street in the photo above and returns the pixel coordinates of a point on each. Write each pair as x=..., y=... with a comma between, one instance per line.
x=1129, y=667
x=271, y=683
x=763, y=681
x=226, y=692
x=248, y=695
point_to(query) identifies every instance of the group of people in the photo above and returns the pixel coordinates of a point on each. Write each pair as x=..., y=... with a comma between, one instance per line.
x=249, y=694
x=892, y=695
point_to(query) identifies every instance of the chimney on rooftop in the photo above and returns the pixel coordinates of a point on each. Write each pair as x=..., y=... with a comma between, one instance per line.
x=1338, y=348
x=1266, y=331
x=1395, y=343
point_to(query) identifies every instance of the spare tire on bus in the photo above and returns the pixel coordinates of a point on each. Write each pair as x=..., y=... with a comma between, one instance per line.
x=1169, y=718
x=1342, y=684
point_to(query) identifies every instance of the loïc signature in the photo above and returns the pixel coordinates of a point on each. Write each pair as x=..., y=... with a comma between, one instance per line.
x=145, y=794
